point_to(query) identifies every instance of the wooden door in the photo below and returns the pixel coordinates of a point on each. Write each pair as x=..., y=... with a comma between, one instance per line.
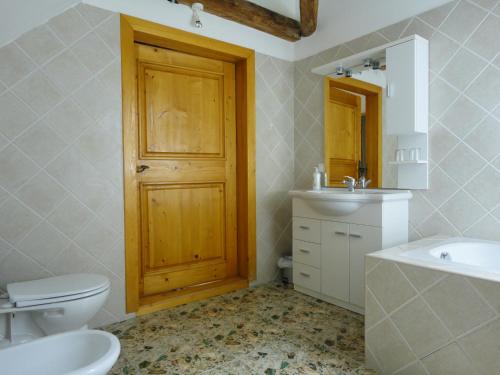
x=342, y=135
x=186, y=176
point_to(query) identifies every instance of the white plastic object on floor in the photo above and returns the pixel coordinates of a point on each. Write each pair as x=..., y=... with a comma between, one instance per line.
x=84, y=352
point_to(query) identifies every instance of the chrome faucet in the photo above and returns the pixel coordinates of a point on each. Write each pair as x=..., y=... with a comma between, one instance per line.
x=363, y=182
x=349, y=182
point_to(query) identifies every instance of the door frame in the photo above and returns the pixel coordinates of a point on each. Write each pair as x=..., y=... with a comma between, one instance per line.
x=138, y=30
x=373, y=94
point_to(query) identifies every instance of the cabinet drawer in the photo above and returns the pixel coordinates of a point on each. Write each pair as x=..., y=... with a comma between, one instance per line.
x=306, y=229
x=306, y=276
x=307, y=253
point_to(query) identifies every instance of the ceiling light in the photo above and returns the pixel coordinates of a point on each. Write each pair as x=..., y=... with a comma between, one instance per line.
x=197, y=8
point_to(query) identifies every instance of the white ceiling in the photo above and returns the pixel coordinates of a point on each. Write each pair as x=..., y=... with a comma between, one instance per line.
x=338, y=20
x=289, y=8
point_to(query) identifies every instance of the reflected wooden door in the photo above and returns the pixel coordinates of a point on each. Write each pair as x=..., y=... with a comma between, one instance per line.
x=342, y=135
x=186, y=170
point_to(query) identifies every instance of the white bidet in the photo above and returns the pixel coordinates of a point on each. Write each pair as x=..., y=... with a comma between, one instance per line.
x=84, y=352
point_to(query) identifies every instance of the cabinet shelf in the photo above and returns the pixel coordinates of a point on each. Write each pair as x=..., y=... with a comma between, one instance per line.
x=408, y=162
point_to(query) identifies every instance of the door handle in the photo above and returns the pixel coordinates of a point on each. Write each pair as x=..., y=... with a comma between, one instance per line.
x=141, y=168
x=304, y=251
x=305, y=274
x=339, y=233
x=304, y=227
x=355, y=235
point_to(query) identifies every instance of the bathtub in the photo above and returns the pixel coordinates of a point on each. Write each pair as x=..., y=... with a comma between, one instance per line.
x=434, y=304
x=458, y=255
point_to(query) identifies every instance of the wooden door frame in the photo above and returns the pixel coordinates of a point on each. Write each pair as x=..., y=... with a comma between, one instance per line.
x=373, y=94
x=138, y=30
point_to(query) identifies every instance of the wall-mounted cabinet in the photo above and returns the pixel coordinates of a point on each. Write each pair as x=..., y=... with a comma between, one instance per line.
x=401, y=70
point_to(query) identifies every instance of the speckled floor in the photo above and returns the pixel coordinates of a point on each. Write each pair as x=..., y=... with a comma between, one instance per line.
x=265, y=330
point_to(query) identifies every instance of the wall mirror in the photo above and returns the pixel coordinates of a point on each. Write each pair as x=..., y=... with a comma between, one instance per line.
x=376, y=115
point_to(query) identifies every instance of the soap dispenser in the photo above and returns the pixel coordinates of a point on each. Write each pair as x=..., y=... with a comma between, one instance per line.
x=316, y=179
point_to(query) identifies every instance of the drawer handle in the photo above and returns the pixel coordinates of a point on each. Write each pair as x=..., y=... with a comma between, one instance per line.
x=355, y=235
x=305, y=274
x=304, y=251
x=339, y=233
x=304, y=227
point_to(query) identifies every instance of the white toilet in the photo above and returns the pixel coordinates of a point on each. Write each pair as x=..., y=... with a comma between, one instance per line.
x=38, y=308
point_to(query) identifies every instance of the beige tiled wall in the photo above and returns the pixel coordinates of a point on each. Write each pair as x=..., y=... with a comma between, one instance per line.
x=60, y=153
x=464, y=198
x=421, y=321
x=61, y=206
x=274, y=97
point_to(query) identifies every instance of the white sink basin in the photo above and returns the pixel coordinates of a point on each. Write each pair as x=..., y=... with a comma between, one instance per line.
x=83, y=352
x=341, y=202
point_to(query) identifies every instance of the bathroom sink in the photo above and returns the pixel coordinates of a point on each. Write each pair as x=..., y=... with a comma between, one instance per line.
x=341, y=202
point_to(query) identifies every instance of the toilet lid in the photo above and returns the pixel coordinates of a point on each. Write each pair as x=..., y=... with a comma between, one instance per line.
x=54, y=287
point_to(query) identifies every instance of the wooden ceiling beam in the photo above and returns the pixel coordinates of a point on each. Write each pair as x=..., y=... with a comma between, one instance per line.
x=308, y=16
x=255, y=16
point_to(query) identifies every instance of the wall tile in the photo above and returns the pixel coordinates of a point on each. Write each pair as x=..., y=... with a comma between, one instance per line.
x=393, y=296
x=447, y=361
x=42, y=194
x=92, y=52
x=20, y=222
x=93, y=15
x=457, y=304
x=40, y=44
x=15, y=168
x=436, y=16
x=16, y=116
x=484, y=138
x=485, y=88
x=462, y=210
x=43, y=244
x=462, y=117
x=66, y=72
x=69, y=130
x=70, y=217
x=483, y=347
x=462, y=69
x=462, y=21
x=69, y=26
x=484, y=41
x=39, y=93
x=422, y=338
x=40, y=143
x=388, y=347
x=15, y=64
x=421, y=278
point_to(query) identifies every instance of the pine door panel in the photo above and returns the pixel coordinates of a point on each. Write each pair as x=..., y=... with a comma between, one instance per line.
x=187, y=140
x=342, y=135
x=184, y=112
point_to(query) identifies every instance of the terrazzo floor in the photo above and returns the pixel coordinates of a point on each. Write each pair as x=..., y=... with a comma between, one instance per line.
x=267, y=330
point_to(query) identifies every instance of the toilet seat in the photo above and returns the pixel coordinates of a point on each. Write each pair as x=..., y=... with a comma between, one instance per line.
x=56, y=289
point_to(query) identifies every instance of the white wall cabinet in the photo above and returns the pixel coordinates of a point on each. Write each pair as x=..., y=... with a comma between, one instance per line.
x=407, y=74
x=329, y=252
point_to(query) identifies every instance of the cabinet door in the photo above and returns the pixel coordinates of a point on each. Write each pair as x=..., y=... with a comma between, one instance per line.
x=363, y=239
x=407, y=87
x=335, y=260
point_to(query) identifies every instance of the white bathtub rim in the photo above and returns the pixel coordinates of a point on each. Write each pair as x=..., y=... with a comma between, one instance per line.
x=396, y=254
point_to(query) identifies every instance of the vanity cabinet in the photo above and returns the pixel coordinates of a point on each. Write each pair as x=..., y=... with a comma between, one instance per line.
x=329, y=251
